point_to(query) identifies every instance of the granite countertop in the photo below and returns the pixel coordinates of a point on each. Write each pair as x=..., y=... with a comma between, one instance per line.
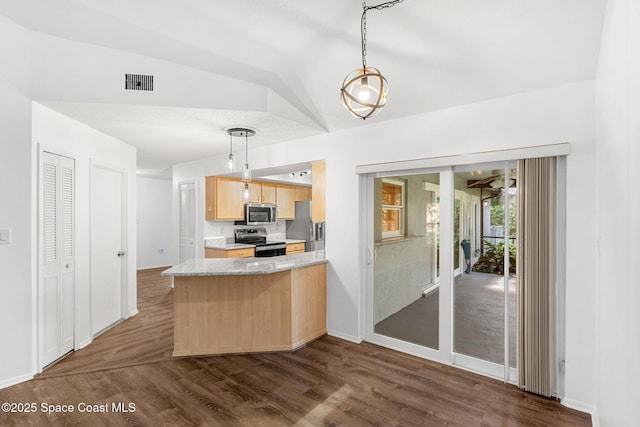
x=230, y=246
x=241, y=266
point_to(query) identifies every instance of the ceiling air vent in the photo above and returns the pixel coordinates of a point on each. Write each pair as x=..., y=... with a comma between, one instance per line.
x=138, y=82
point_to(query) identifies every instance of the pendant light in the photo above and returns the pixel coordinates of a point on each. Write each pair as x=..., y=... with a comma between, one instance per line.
x=246, y=171
x=231, y=161
x=364, y=91
x=245, y=192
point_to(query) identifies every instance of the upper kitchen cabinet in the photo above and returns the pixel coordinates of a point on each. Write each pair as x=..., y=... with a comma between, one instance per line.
x=224, y=198
x=255, y=192
x=286, y=201
x=268, y=192
x=318, y=173
x=303, y=193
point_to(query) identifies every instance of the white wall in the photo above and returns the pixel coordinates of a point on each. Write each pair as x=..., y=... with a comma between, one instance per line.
x=618, y=204
x=24, y=125
x=154, y=222
x=562, y=114
x=16, y=206
x=59, y=134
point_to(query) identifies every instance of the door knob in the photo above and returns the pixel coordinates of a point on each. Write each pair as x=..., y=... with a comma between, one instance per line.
x=120, y=253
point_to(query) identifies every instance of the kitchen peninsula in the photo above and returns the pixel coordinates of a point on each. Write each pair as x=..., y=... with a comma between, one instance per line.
x=248, y=305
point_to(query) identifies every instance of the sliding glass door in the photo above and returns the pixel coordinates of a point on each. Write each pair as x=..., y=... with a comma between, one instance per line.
x=484, y=288
x=439, y=243
x=406, y=263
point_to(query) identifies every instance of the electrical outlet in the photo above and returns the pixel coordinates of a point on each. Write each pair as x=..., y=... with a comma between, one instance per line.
x=5, y=236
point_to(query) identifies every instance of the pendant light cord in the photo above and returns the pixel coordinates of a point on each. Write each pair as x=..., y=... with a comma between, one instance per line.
x=363, y=25
x=246, y=148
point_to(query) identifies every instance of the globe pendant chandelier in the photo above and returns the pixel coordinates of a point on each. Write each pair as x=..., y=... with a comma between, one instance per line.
x=364, y=91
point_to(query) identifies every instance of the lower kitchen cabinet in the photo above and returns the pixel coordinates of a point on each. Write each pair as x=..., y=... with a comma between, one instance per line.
x=249, y=313
x=231, y=253
x=295, y=248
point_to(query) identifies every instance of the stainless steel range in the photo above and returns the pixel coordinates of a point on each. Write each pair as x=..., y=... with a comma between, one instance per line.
x=258, y=237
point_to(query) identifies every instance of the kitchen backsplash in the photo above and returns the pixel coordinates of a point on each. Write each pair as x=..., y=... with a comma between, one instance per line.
x=224, y=229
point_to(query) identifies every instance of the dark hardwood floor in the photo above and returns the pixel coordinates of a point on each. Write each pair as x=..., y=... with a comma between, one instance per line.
x=328, y=382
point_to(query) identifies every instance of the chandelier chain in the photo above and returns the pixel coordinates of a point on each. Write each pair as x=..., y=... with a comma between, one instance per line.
x=363, y=25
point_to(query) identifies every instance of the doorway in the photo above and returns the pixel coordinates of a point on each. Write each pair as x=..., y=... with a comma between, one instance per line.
x=484, y=288
x=187, y=221
x=56, y=256
x=425, y=297
x=108, y=258
x=406, y=263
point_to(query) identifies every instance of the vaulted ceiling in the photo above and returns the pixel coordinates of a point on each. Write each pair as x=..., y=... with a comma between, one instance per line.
x=435, y=54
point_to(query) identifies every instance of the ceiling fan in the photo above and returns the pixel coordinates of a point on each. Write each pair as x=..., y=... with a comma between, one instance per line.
x=482, y=182
x=495, y=181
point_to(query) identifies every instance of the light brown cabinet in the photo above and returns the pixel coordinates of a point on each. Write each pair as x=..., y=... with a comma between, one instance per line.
x=295, y=248
x=255, y=192
x=224, y=197
x=249, y=313
x=303, y=193
x=268, y=192
x=318, y=189
x=232, y=253
x=286, y=201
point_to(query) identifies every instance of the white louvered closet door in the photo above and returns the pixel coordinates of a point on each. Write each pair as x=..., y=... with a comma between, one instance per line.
x=57, y=207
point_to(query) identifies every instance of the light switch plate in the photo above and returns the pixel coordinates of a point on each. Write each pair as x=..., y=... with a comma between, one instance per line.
x=5, y=236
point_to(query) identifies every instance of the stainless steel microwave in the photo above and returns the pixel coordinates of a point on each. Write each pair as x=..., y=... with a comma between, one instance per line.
x=259, y=214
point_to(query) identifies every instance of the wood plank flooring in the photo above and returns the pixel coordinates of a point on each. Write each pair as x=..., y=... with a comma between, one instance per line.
x=328, y=382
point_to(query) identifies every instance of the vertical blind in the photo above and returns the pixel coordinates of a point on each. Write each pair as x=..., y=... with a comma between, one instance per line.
x=536, y=274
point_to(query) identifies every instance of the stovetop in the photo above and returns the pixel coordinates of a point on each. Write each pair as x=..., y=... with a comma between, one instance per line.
x=253, y=236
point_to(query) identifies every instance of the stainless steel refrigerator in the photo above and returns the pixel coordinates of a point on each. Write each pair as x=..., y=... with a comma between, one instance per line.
x=302, y=228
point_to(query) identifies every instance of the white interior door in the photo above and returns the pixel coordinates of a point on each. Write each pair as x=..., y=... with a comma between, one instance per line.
x=57, y=218
x=107, y=251
x=187, y=221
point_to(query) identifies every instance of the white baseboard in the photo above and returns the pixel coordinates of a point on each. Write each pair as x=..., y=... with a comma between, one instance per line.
x=84, y=343
x=582, y=407
x=344, y=336
x=16, y=380
x=133, y=313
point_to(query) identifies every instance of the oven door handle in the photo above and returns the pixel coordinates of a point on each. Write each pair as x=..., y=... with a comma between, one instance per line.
x=270, y=247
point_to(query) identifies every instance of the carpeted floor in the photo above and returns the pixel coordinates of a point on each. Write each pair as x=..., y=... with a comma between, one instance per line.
x=478, y=319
